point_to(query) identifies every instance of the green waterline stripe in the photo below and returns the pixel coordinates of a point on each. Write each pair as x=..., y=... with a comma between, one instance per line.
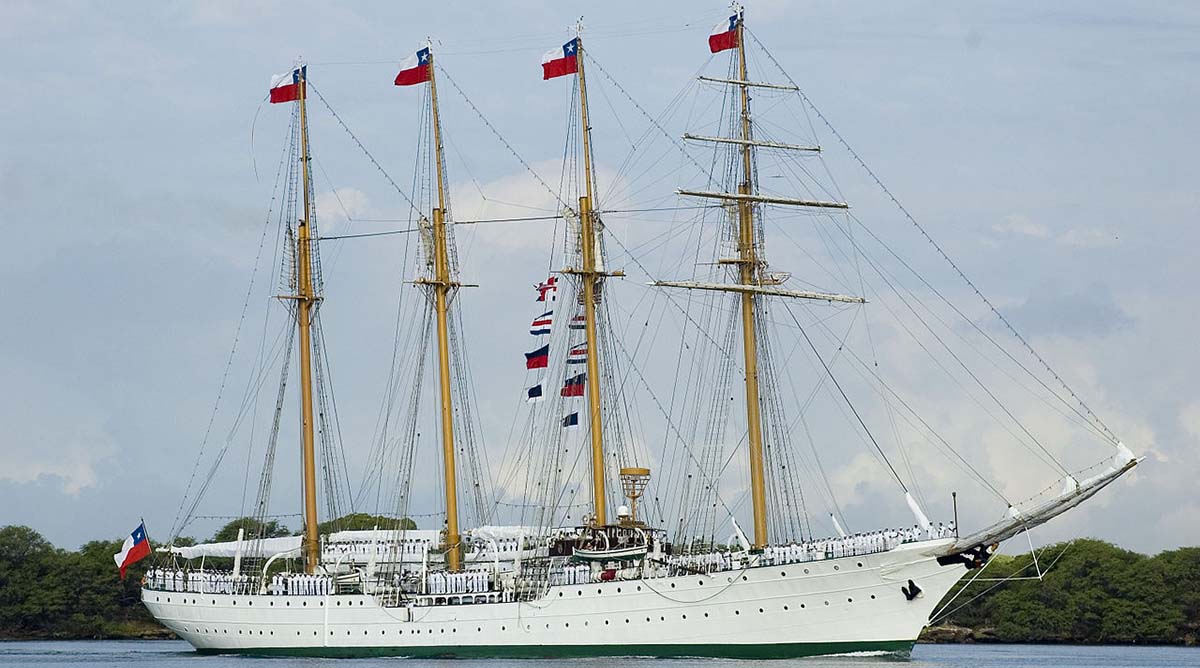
x=731, y=651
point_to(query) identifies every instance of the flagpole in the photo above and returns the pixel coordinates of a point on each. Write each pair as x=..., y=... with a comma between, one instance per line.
x=591, y=294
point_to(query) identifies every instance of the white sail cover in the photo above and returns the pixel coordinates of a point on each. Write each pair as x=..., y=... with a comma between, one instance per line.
x=268, y=547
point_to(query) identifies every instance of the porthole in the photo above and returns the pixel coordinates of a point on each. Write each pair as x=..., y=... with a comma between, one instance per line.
x=339, y=604
x=560, y=594
x=304, y=603
x=806, y=571
x=860, y=564
x=647, y=619
x=783, y=574
x=700, y=582
x=849, y=600
x=598, y=591
x=479, y=629
x=801, y=606
x=684, y=616
x=639, y=587
x=760, y=611
x=360, y=602
x=503, y=628
x=618, y=590
x=250, y=603
x=364, y=633
x=627, y=620
x=706, y=615
x=272, y=602
x=214, y=602
x=347, y=633
x=672, y=585
x=234, y=601
x=580, y=592
x=872, y=597
x=785, y=608
x=331, y=633
x=744, y=578
x=837, y=568
x=737, y=612
x=606, y=622
x=826, y=602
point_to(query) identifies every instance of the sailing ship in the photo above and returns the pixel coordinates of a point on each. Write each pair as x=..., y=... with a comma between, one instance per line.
x=549, y=587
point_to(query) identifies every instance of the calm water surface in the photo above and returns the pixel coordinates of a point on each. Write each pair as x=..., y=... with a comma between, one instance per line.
x=114, y=653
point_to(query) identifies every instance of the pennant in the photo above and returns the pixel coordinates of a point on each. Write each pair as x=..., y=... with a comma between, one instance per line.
x=548, y=288
x=541, y=324
x=561, y=62
x=578, y=354
x=415, y=69
x=571, y=421
x=578, y=322
x=724, y=35
x=286, y=87
x=573, y=387
x=538, y=359
x=534, y=394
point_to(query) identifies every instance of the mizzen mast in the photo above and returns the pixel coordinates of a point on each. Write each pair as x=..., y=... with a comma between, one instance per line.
x=306, y=303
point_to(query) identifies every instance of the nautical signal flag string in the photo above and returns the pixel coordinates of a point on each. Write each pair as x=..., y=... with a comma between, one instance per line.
x=547, y=290
x=541, y=324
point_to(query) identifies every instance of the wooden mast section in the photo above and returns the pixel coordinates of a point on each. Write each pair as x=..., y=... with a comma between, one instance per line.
x=306, y=301
x=748, y=266
x=592, y=281
x=442, y=286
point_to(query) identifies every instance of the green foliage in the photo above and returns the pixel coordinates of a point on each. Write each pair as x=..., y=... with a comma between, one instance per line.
x=48, y=592
x=1095, y=593
x=365, y=521
x=254, y=529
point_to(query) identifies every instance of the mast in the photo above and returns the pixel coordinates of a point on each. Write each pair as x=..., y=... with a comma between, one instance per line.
x=591, y=280
x=306, y=300
x=748, y=266
x=442, y=286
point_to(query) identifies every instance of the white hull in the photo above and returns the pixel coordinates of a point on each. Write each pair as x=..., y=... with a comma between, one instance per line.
x=836, y=605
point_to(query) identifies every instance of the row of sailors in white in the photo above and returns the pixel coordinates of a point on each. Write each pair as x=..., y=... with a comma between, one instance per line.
x=570, y=575
x=366, y=548
x=300, y=584
x=199, y=582
x=468, y=582
x=711, y=561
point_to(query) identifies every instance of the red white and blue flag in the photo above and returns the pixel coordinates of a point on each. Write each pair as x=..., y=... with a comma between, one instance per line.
x=135, y=548
x=578, y=354
x=538, y=359
x=415, y=70
x=541, y=324
x=724, y=35
x=550, y=288
x=578, y=322
x=573, y=387
x=561, y=62
x=287, y=87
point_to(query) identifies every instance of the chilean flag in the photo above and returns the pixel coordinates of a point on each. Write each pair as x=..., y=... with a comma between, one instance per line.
x=561, y=62
x=573, y=387
x=724, y=35
x=538, y=359
x=135, y=548
x=415, y=70
x=286, y=87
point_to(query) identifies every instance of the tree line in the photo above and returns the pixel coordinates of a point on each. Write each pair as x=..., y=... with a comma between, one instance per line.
x=1094, y=592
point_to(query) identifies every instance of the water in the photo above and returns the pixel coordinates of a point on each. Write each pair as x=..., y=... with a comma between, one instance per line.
x=120, y=653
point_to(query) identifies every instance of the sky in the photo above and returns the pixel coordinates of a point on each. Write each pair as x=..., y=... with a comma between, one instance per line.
x=1049, y=149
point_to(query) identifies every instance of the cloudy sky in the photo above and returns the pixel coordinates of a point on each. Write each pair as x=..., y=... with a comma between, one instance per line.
x=1050, y=151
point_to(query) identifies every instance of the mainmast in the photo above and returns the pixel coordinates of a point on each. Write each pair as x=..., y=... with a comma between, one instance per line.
x=442, y=286
x=306, y=301
x=592, y=281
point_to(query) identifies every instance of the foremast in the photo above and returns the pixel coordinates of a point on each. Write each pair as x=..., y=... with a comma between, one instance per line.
x=307, y=301
x=749, y=261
